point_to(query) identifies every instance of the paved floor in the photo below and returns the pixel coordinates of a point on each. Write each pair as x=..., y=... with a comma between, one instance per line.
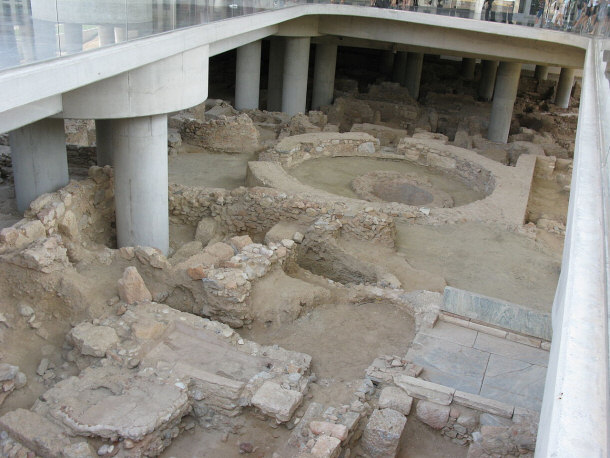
x=478, y=363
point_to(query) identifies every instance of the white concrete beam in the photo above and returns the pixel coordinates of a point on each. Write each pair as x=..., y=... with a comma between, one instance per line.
x=168, y=85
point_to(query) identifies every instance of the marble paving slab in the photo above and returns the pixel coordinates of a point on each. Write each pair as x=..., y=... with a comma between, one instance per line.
x=478, y=363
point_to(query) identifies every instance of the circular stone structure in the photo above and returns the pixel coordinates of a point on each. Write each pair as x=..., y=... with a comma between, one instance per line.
x=388, y=186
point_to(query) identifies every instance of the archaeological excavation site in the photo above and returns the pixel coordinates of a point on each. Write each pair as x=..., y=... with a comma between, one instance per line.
x=370, y=278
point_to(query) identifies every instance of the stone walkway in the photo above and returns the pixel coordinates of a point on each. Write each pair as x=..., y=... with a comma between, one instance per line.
x=479, y=363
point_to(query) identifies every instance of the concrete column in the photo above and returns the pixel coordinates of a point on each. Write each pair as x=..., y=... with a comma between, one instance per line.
x=296, y=65
x=40, y=161
x=276, y=74
x=564, y=87
x=507, y=82
x=541, y=73
x=248, y=76
x=45, y=39
x=415, y=61
x=105, y=34
x=9, y=54
x=468, y=65
x=103, y=142
x=73, y=38
x=488, y=79
x=400, y=67
x=140, y=186
x=324, y=75
x=120, y=34
x=387, y=62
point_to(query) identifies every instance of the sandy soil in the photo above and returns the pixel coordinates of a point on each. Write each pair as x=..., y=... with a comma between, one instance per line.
x=197, y=167
x=343, y=340
x=200, y=442
x=547, y=200
x=485, y=259
x=421, y=441
x=335, y=175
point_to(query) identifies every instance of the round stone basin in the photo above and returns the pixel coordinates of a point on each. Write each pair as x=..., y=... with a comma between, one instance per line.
x=336, y=175
x=405, y=193
x=395, y=187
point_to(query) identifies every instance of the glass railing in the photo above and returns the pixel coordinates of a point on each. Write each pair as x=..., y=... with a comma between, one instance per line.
x=37, y=30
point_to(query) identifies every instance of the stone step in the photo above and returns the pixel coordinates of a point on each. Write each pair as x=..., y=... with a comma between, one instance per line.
x=497, y=312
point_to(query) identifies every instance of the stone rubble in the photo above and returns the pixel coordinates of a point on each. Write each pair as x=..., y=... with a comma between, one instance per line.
x=11, y=379
x=139, y=378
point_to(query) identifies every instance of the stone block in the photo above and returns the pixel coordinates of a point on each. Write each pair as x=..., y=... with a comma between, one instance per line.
x=35, y=432
x=241, y=241
x=93, y=340
x=422, y=389
x=498, y=312
x=432, y=414
x=132, y=288
x=483, y=404
x=220, y=251
x=396, y=399
x=206, y=230
x=327, y=428
x=326, y=447
x=382, y=434
x=277, y=402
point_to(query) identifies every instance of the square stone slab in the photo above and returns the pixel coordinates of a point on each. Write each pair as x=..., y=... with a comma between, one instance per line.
x=514, y=382
x=452, y=333
x=449, y=364
x=512, y=350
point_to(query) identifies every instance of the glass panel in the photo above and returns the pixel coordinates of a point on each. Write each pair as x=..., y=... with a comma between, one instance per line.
x=36, y=30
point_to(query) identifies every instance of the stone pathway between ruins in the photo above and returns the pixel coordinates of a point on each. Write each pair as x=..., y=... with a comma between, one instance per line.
x=482, y=364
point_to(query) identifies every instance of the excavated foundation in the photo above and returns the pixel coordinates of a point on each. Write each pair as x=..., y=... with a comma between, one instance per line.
x=303, y=309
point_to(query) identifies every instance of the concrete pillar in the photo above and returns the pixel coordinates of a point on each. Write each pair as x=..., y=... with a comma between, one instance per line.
x=507, y=82
x=105, y=34
x=45, y=39
x=387, y=62
x=9, y=54
x=40, y=161
x=400, y=67
x=103, y=142
x=248, y=76
x=324, y=75
x=73, y=38
x=564, y=87
x=488, y=79
x=276, y=74
x=140, y=181
x=415, y=61
x=541, y=73
x=296, y=65
x=468, y=65
x=120, y=34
